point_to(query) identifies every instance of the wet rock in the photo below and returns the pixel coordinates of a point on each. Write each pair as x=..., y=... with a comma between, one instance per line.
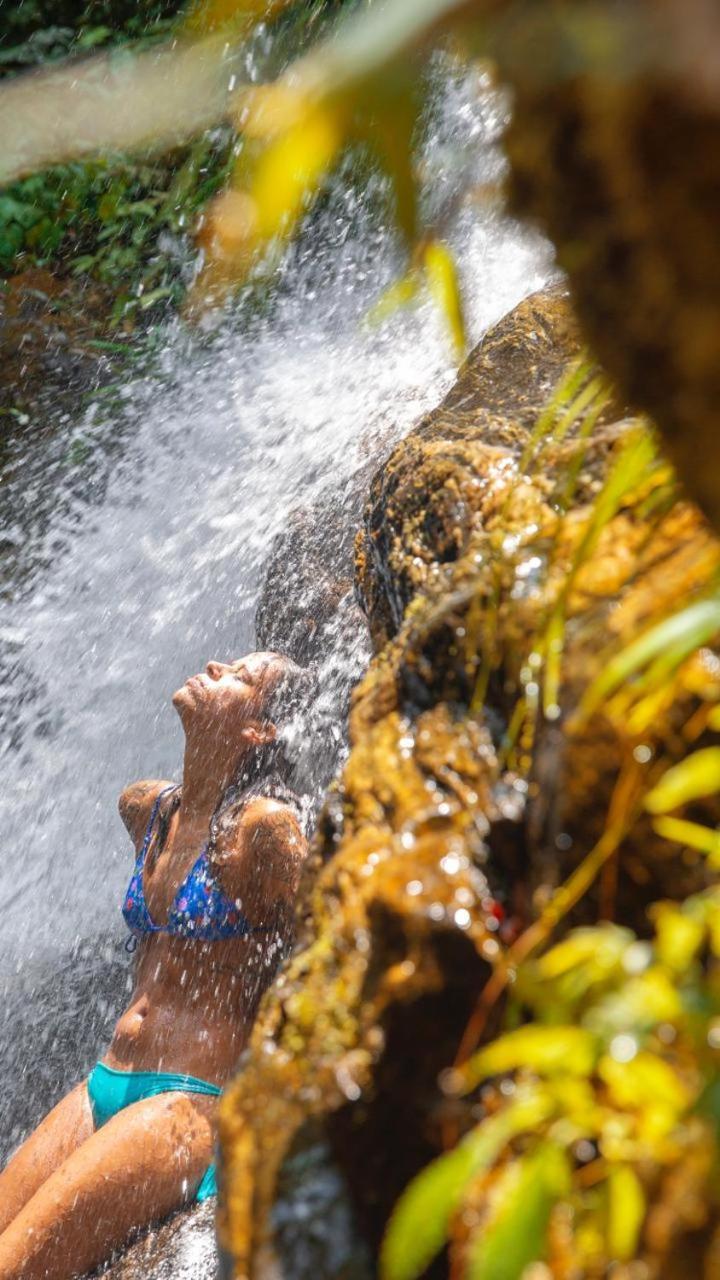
x=181, y=1249
x=490, y=583
x=307, y=599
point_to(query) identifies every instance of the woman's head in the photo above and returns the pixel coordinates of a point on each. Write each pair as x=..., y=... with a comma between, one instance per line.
x=239, y=708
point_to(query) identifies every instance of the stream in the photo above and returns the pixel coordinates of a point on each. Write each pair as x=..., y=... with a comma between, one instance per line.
x=133, y=538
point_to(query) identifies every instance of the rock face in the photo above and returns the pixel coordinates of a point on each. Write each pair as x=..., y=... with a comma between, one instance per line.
x=496, y=582
x=183, y=1248
x=619, y=162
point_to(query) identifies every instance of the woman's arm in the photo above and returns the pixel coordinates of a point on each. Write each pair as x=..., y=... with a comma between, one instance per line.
x=135, y=806
x=259, y=862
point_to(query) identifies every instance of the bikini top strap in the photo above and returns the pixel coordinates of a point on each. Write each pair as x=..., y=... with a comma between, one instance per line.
x=153, y=815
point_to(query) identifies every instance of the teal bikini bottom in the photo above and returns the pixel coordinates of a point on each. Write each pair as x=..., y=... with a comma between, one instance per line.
x=111, y=1091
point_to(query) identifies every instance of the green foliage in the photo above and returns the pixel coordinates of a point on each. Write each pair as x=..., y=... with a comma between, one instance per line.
x=106, y=220
x=125, y=221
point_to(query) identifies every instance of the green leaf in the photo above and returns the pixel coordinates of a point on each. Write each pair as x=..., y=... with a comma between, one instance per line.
x=682, y=634
x=696, y=776
x=547, y=1050
x=525, y=1198
x=626, y=1212
x=420, y=1221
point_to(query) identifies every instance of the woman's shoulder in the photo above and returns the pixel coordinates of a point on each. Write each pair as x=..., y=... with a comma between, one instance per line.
x=259, y=819
x=136, y=804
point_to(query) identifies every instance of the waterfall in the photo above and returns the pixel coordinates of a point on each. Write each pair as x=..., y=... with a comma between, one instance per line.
x=139, y=528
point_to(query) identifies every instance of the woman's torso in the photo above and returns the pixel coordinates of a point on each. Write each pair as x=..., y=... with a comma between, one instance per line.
x=193, y=1000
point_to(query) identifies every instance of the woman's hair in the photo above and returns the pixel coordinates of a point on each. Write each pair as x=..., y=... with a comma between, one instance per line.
x=272, y=767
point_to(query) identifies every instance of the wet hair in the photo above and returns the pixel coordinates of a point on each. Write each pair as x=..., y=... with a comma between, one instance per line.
x=272, y=768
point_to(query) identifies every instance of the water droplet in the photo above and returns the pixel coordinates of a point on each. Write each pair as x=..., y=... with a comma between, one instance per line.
x=637, y=958
x=462, y=918
x=623, y=1048
x=642, y=753
x=451, y=864
x=436, y=911
x=414, y=887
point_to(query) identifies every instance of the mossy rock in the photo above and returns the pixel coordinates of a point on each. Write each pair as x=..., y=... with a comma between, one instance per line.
x=438, y=843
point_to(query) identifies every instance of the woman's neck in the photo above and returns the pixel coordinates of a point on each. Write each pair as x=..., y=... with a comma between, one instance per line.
x=207, y=773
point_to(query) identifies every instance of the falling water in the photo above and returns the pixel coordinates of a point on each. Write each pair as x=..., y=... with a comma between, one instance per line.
x=139, y=535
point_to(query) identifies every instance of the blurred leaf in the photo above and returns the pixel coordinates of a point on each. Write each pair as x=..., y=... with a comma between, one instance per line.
x=599, y=950
x=637, y=1007
x=696, y=776
x=680, y=635
x=419, y=1224
x=679, y=935
x=292, y=169
x=547, y=1050
x=646, y=1078
x=626, y=1212
x=692, y=835
x=445, y=287
x=523, y=1199
x=399, y=294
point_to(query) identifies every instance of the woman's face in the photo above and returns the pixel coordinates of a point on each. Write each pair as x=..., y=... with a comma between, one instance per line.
x=227, y=697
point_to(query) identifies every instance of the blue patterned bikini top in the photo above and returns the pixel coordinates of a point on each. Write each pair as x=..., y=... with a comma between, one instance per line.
x=200, y=909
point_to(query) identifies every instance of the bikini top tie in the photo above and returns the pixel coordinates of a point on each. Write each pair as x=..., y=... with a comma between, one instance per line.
x=200, y=909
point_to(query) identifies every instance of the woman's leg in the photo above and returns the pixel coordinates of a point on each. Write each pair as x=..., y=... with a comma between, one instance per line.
x=142, y=1164
x=60, y=1133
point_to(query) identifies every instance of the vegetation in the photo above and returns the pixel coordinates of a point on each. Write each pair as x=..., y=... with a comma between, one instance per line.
x=124, y=220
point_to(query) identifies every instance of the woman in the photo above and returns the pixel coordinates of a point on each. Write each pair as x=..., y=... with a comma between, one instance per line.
x=135, y=1140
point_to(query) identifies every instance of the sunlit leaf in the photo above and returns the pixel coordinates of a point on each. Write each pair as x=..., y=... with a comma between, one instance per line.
x=626, y=1212
x=524, y=1199
x=291, y=169
x=696, y=776
x=445, y=287
x=646, y=1078
x=400, y=293
x=419, y=1224
x=547, y=1050
x=637, y=1006
x=692, y=835
x=679, y=934
x=681, y=634
x=600, y=949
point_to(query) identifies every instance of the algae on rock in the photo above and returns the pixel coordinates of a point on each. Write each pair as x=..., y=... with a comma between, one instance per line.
x=465, y=799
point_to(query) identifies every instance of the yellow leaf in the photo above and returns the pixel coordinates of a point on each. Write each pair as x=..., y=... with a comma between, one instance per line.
x=445, y=287
x=637, y=1006
x=692, y=835
x=678, y=936
x=547, y=1050
x=696, y=776
x=626, y=1212
x=400, y=294
x=601, y=947
x=645, y=1079
x=292, y=169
